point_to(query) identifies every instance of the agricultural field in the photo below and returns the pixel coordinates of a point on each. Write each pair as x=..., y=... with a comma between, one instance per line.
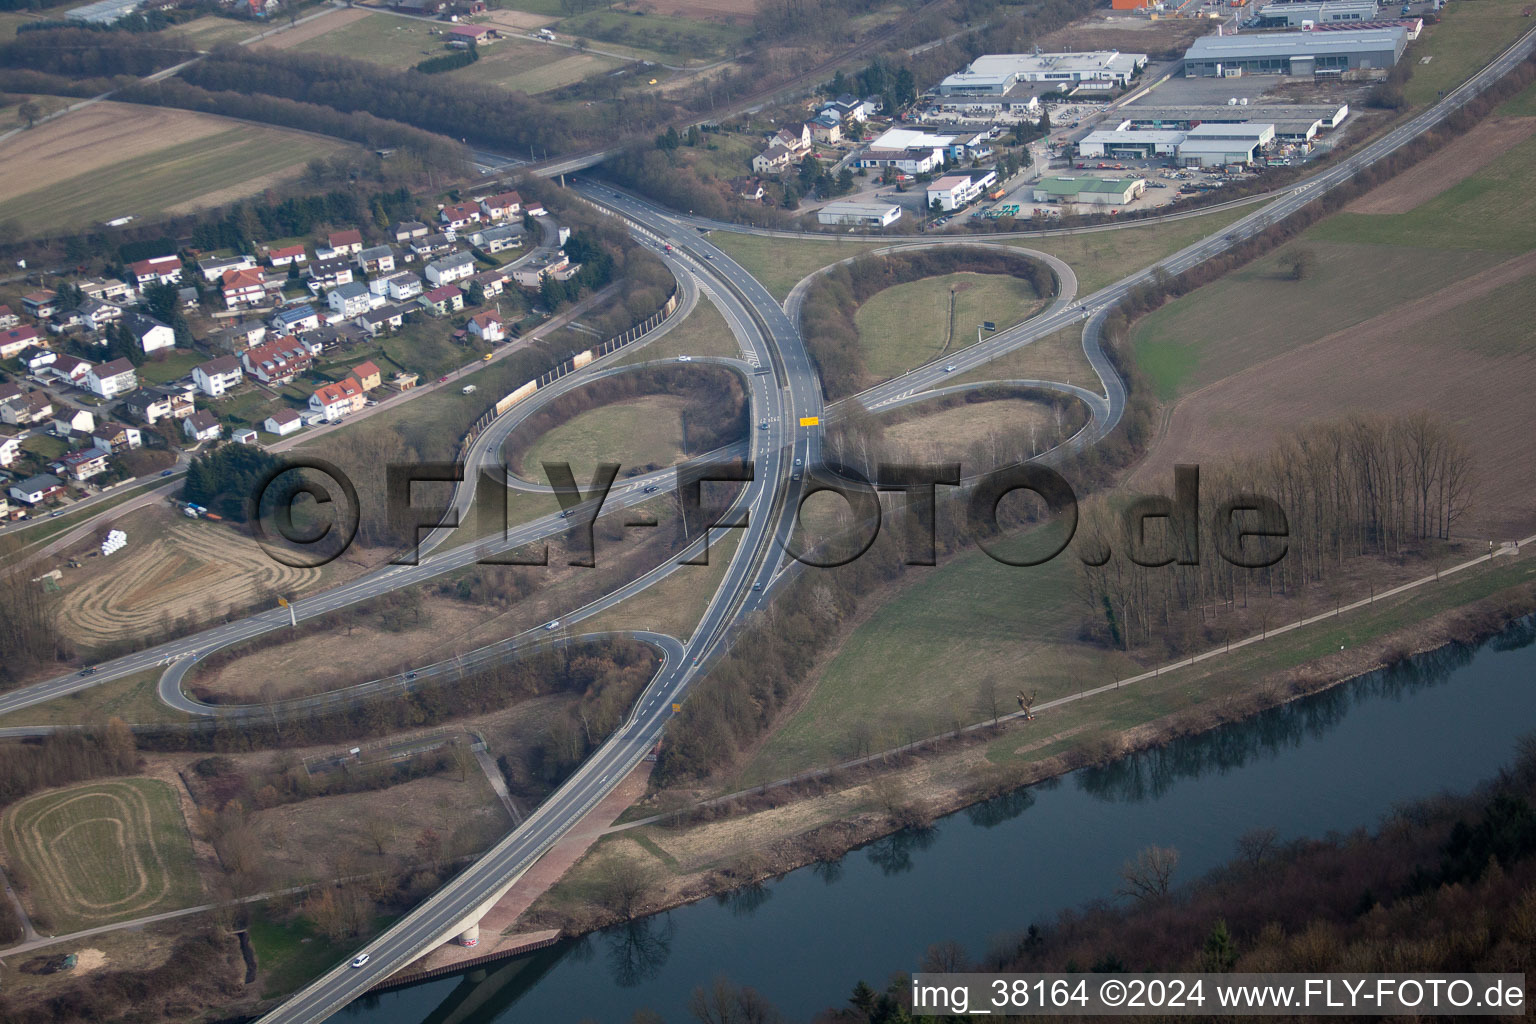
x=682, y=40
x=102, y=852
x=211, y=30
x=375, y=37
x=113, y=159
x=910, y=324
x=532, y=67
x=1469, y=36
x=10, y=108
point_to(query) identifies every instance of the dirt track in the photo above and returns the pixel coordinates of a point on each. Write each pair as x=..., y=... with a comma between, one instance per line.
x=1428, y=178
x=101, y=135
x=1379, y=366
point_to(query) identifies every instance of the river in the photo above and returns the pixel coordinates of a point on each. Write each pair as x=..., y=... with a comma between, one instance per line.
x=1332, y=762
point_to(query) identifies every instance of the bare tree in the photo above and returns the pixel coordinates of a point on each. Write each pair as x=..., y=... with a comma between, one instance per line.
x=625, y=884
x=1255, y=845
x=1150, y=875
x=988, y=699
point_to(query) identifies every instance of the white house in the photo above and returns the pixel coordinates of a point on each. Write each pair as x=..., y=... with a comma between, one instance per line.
x=282, y=423
x=86, y=463
x=117, y=437
x=159, y=270
x=497, y=207
x=151, y=334
x=70, y=422
x=10, y=450
x=217, y=376
x=955, y=190
x=487, y=327
x=378, y=259
x=37, y=489
x=112, y=379
x=349, y=300
x=202, y=426
x=453, y=267
x=213, y=269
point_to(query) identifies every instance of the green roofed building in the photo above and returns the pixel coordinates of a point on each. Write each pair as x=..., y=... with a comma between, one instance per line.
x=1098, y=191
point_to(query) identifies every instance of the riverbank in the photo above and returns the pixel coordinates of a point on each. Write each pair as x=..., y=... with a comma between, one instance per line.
x=743, y=839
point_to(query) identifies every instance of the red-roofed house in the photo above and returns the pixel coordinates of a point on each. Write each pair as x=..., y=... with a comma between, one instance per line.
x=8, y=319
x=159, y=270
x=287, y=255
x=507, y=204
x=477, y=34
x=41, y=304
x=458, y=215
x=487, y=327
x=277, y=361
x=442, y=301
x=337, y=400
x=19, y=339
x=368, y=375
x=348, y=242
x=247, y=287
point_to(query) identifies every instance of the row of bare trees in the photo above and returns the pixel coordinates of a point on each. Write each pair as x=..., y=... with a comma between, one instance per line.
x=1363, y=486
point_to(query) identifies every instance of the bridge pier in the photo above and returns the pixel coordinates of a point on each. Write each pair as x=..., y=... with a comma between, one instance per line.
x=469, y=936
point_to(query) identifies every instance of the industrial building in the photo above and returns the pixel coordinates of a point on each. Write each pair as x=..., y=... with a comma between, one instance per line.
x=1090, y=191
x=995, y=74
x=1216, y=145
x=848, y=212
x=1132, y=143
x=1302, y=54
x=1293, y=122
x=1293, y=15
x=103, y=12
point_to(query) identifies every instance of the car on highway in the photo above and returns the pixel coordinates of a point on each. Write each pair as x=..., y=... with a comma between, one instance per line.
x=55, y=513
x=799, y=462
x=443, y=379
x=709, y=255
x=757, y=586
x=166, y=472
x=552, y=624
x=950, y=368
x=649, y=489
x=359, y=960
x=88, y=671
x=685, y=359
x=763, y=425
x=565, y=513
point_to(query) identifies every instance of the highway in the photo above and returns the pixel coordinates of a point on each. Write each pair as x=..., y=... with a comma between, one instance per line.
x=789, y=397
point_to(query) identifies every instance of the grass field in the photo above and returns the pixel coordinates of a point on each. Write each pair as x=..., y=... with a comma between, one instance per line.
x=952, y=434
x=531, y=67
x=236, y=160
x=703, y=332
x=1522, y=104
x=1469, y=36
x=781, y=262
x=917, y=663
x=635, y=433
x=380, y=39
x=211, y=30
x=909, y=324
x=676, y=603
x=1494, y=209
x=1057, y=357
x=102, y=852
x=172, y=364
x=687, y=38
x=1197, y=340
x=132, y=698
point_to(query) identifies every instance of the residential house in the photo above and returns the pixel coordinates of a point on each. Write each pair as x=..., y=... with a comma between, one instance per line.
x=442, y=301
x=453, y=267
x=338, y=400
x=287, y=256
x=472, y=35
x=295, y=319
x=150, y=334
x=43, y=304
x=37, y=489
x=794, y=137
x=328, y=272
x=70, y=369
x=8, y=319
x=495, y=239
x=491, y=282
x=431, y=246
x=37, y=358
x=238, y=337
x=65, y=320
x=535, y=210
x=159, y=270
x=282, y=423
x=773, y=160
x=747, y=187
x=245, y=435
x=96, y=314
x=277, y=361
x=217, y=376
x=459, y=215
x=378, y=259
x=532, y=273
x=214, y=269
x=344, y=243
x=70, y=421
x=109, y=380
x=402, y=284
x=368, y=375
x=25, y=410
x=86, y=463
x=117, y=437
x=188, y=298
x=407, y=230
x=499, y=207
x=350, y=300
x=388, y=317
x=154, y=404
x=10, y=450
x=247, y=288
x=202, y=425
x=330, y=335
x=827, y=127
x=487, y=327
x=107, y=289
x=18, y=339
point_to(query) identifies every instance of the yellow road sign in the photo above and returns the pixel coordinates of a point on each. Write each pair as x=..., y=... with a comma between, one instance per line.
x=283, y=601
x=809, y=421
x=676, y=708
